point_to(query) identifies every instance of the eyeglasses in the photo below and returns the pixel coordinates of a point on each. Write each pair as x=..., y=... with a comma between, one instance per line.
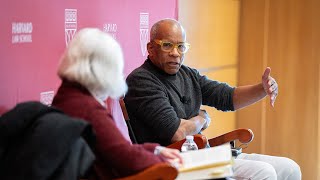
x=169, y=46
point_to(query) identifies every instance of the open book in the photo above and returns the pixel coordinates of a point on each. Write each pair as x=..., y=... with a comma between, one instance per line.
x=215, y=162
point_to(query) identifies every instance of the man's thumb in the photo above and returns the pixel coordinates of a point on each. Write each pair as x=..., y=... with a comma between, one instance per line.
x=266, y=73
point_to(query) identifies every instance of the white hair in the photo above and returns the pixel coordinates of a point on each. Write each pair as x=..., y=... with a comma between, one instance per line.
x=94, y=59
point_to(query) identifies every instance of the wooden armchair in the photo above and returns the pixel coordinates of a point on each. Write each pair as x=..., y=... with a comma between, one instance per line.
x=161, y=171
x=244, y=136
x=164, y=171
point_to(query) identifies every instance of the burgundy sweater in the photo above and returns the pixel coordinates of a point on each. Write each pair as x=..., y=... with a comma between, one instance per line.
x=116, y=157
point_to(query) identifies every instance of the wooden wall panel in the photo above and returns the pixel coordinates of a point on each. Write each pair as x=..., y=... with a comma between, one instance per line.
x=212, y=30
x=281, y=34
x=316, y=56
x=251, y=66
x=288, y=42
x=290, y=52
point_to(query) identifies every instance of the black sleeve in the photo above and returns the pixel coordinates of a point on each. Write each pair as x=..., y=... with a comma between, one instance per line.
x=216, y=94
x=147, y=101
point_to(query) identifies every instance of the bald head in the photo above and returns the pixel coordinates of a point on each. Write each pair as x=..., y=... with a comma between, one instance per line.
x=165, y=28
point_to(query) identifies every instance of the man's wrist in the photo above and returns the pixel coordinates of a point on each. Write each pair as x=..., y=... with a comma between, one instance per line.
x=158, y=150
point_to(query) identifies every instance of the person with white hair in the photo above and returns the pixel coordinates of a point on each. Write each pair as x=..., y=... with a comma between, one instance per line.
x=91, y=71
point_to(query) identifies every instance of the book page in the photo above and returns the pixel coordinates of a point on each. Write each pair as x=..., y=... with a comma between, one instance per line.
x=206, y=158
x=208, y=173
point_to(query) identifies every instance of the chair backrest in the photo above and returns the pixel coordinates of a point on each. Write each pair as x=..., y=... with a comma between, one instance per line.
x=127, y=119
x=163, y=171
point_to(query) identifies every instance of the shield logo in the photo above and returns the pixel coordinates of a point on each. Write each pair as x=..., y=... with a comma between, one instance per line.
x=70, y=25
x=46, y=97
x=144, y=29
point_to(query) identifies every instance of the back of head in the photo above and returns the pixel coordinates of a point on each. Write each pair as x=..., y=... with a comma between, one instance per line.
x=94, y=59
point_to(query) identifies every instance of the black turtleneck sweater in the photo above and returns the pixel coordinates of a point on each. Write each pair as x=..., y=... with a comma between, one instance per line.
x=156, y=101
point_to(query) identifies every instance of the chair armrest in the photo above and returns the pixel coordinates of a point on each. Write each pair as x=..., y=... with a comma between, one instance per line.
x=199, y=139
x=245, y=136
x=162, y=171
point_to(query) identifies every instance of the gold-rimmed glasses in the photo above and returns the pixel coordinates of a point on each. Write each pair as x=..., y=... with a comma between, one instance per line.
x=167, y=46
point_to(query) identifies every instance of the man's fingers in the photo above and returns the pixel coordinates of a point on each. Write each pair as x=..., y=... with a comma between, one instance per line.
x=273, y=97
x=271, y=81
x=266, y=73
x=272, y=100
x=272, y=89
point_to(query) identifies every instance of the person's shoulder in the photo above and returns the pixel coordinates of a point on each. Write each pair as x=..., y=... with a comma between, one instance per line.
x=188, y=70
x=140, y=73
x=71, y=101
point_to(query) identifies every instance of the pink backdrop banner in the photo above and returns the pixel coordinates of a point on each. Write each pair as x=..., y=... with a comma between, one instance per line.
x=34, y=34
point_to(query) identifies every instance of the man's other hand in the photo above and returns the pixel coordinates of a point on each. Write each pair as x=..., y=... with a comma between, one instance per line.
x=206, y=117
x=270, y=86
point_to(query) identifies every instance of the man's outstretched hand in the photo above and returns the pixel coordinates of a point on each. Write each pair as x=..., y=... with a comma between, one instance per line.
x=270, y=85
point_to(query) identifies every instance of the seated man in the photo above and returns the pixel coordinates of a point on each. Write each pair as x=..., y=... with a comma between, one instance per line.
x=165, y=96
